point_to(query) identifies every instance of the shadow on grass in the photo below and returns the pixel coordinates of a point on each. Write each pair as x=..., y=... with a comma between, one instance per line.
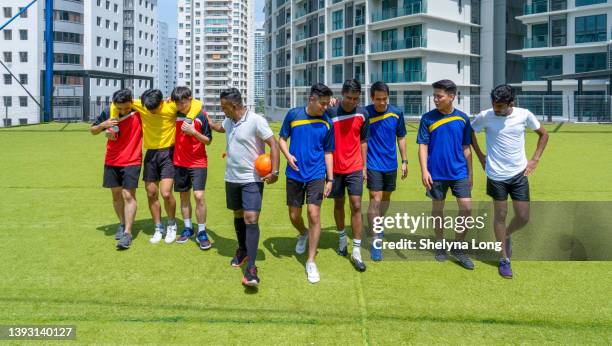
x=285, y=246
x=146, y=226
x=226, y=247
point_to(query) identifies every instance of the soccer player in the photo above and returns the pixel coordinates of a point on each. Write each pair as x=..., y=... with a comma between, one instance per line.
x=246, y=135
x=309, y=160
x=387, y=133
x=444, y=140
x=506, y=164
x=351, y=131
x=191, y=165
x=159, y=131
x=122, y=161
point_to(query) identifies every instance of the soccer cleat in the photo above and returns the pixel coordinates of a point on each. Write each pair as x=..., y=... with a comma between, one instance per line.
x=125, y=241
x=170, y=234
x=203, y=240
x=463, y=259
x=375, y=253
x=440, y=255
x=119, y=232
x=342, y=251
x=250, y=277
x=300, y=247
x=505, y=270
x=312, y=272
x=185, y=235
x=509, y=246
x=240, y=258
x=157, y=237
x=358, y=264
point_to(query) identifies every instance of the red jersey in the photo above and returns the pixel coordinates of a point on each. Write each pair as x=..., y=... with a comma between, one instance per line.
x=188, y=151
x=126, y=150
x=350, y=129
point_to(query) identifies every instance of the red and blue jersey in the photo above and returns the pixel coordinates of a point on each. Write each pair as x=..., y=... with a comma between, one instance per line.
x=445, y=136
x=350, y=130
x=126, y=150
x=385, y=128
x=311, y=137
x=188, y=151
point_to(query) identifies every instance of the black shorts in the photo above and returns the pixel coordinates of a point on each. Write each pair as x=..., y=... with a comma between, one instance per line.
x=158, y=164
x=244, y=196
x=186, y=178
x=126, y=177
x=517, y=187
x=460, y=189
x=312, y=191
x=382, y=181
x=353, y=182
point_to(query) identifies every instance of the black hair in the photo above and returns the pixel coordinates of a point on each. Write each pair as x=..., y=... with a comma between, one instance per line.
x=180, y=93
x=502, y=94
x=351, y=85
x=320, y=90
x=379, y=86
x=152, y=99
x=122, y=96
x=447, y=85
x=233, y=95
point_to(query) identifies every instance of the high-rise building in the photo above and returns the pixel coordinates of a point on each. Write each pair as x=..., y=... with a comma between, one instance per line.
x=259, y=64
x=214, y=48
x=166, y=79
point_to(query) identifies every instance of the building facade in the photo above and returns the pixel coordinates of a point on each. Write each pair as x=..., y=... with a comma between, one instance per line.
x=259, y=64
x=166, y=78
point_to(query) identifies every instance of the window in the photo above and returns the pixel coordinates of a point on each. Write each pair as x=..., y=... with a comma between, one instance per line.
x=8, y=34
x=537, y=67
x=337, y=47
x=99, y=21
x=98, y=41
x=98, y=61
x=23, y=56
x=8, y=101
x=23, y=101
x=458, y=66
x=23, y=78
x=337, y=20
x=389, y=71
x=591, y=28
x=412, y=70
x=321, y=50
x=590, y=62
x=589, y=2
x=8, y=57
x=23, y=14
x=23, y=34
x=7, y=79
x=8, y=12
x=337, y=74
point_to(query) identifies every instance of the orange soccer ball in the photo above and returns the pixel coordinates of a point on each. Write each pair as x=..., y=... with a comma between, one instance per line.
x=263, y=165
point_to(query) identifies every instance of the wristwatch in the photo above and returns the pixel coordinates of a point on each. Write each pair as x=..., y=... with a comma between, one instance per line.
x=275, y=173
x=405, y=161
x=329, y=180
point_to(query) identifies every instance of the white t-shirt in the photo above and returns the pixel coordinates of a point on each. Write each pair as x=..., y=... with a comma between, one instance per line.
x=505, y=141
x=245, y=142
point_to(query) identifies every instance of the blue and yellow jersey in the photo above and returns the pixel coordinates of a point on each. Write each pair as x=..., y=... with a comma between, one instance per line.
x=311, y=138
x=445, y=135
x=385, y=128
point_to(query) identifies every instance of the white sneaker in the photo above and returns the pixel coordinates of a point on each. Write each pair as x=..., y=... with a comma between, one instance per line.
x=170, y=234
x=300, y=247
x=312, y=272
x=157, y=237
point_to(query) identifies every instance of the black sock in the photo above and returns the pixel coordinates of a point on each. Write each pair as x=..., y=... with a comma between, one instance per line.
x=240, y=228
x=252, y=239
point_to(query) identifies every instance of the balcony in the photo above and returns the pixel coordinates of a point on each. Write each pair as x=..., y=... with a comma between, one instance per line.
x=407, y=43
x=405, y=77
x=539, y=41
x=299, y=59
x=300, y=82
x=359, y=48
x=300, y=12
x=359, y=20
x=388, y=13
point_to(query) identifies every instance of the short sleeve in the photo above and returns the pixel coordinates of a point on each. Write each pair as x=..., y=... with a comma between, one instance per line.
x=224, y=123
x=205, y=128
x=285, y=131
x=329, y=138
x=400, y=131
x=423, y=134
x=195, y=110
x=479, y=122
x=532, y=122
x=365, y=127
x=264, y=132
x=467, y=131
x=104, y=116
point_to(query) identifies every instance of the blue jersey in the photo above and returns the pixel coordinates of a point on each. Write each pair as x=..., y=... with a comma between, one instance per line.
x=445, y=135
x=311, y=138
x=385, y=128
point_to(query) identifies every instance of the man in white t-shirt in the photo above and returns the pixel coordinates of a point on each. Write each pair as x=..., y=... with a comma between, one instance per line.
x=506, y=164
x=247, y=133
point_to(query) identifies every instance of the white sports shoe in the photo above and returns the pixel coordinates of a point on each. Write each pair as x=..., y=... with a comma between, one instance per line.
x=312, y=272
x=170, y=234
x=300, y=247
x=157, y=237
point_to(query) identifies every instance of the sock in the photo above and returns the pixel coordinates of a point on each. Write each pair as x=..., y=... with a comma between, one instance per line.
x=188, y=223
x=357, y=248
x=342, y=237
x=252, y=241
x=240, y=228
x=171, y=222
x=304, y=234
x=159, y=227
x=201, y=227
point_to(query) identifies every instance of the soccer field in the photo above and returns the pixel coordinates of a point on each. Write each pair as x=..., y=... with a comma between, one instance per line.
x=59, y=264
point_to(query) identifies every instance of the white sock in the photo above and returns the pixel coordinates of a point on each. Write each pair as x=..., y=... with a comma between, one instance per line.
x=201, y=227
x=357, y=248
x=342, y=238
x=188, y=223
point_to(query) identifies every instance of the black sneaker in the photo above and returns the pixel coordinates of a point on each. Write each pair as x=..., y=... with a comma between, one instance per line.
x=250, y=277
x=358, y=264
x=239, y=259
x=125, y=241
